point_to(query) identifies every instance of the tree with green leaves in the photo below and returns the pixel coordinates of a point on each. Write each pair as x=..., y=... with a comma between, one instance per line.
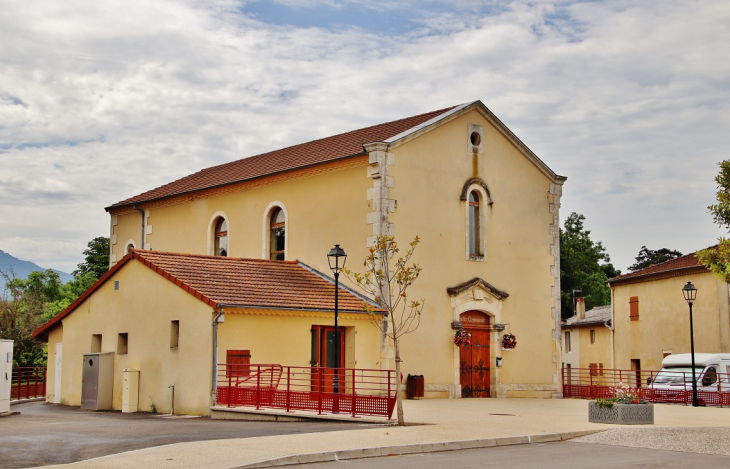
x=649, y=257
x=96, y=260
x=387, y=278
x=23, y=308
x=718, y=260
x=584, y=265
x=28, y=303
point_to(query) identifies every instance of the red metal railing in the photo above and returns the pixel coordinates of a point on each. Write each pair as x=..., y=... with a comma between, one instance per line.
x=593, y=383
x=28, y=383
x=360, y=391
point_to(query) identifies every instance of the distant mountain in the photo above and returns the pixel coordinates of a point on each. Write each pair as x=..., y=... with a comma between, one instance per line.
x=22, y=268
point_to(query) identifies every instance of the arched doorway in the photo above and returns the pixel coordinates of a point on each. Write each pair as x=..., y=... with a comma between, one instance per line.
x=474, y=358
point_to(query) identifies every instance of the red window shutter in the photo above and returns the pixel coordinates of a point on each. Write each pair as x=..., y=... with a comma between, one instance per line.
x=593, y=369
x=634, y=308
x=237, y=363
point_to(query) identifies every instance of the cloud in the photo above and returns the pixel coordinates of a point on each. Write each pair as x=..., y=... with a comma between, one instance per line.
x=100, y=101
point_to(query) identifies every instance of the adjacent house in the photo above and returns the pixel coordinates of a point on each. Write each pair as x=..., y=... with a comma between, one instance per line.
x=651, y=316
x=587, y=340
x=240, y=236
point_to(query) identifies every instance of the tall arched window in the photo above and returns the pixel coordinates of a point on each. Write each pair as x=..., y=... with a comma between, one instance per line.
x=278, y=235
x=220, y=236
x=474, y=206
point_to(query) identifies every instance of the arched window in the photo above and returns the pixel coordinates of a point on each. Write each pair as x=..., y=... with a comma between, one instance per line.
x=220, y=236
x=474, y=207
x=277, y=243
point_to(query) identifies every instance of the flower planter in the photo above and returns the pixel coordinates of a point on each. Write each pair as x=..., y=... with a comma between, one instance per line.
x=622, y=414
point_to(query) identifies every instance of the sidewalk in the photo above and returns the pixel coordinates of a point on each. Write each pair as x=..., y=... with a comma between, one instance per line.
x=445, y=425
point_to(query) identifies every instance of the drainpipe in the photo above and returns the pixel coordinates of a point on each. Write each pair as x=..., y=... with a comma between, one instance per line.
x=612, y=328
x=134, y=206
x=216, y=320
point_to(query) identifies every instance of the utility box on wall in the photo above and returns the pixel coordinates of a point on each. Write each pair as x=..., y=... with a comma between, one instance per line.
x=130, y=390
x=6, y=374
x=97, y=381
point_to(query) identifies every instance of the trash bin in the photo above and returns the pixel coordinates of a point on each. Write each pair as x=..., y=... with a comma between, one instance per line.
x=414, y=386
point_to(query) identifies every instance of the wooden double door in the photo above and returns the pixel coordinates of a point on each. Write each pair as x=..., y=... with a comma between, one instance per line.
x=323, y=358
x=474, y=359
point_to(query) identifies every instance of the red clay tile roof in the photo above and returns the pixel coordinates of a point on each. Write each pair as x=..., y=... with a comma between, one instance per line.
x=684, y=265
x=294, y=157
x=230, y=281
x=248, y=282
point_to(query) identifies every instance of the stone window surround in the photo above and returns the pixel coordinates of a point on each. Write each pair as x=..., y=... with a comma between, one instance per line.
x=266, y=230
x=477, y=186
x=211, y=232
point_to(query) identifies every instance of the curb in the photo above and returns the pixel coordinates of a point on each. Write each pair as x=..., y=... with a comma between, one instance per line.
x=329, y=456
x=23, y=401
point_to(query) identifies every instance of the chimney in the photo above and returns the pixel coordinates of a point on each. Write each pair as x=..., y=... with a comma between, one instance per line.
x=580, y=307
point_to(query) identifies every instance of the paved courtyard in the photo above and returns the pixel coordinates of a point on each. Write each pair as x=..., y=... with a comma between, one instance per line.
x=48, y=434
x=439, y=425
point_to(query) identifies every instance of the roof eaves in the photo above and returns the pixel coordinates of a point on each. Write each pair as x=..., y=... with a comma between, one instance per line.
x=294, y=308
x=431, y=122
x=43, y=330
x=515, y=140
x=354, y=293
x=231, y=183
x=661, y=273
x=587, y=323
x=451, y=114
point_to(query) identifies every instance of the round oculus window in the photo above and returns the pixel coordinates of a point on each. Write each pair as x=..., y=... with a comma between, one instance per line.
x=475, y=138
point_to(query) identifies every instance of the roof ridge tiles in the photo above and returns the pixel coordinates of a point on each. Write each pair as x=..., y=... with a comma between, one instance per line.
x=145, y=252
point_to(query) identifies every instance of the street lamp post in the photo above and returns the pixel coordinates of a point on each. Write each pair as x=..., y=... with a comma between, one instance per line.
x=690, y=293
x=333, y=258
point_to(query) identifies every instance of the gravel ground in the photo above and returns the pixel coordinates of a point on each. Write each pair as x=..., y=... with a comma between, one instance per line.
x=707, y=440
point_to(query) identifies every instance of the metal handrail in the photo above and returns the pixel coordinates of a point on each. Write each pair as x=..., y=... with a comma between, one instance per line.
x=357, y=391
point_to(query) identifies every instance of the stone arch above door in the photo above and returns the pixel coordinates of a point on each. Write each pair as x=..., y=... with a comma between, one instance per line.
x=477, y=295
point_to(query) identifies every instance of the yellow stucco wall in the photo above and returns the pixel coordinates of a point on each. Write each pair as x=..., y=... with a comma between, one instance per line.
x=429, y=174
x=325, y=208
x=284, y=337
x=143, y=308
x=583, y=352
x=663, y=323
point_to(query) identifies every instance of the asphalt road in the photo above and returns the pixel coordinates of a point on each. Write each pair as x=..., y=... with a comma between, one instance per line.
x=563, y=455
x=45, y=434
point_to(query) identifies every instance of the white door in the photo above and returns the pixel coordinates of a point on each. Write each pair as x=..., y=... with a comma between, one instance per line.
x=57, y=373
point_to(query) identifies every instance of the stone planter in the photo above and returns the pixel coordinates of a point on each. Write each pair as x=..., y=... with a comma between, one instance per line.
x=622, y=414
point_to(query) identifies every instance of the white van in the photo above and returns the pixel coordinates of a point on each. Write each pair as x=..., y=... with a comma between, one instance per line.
x=674, y=380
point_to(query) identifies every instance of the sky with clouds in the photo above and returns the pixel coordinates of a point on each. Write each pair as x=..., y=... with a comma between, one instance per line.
x=100, y=101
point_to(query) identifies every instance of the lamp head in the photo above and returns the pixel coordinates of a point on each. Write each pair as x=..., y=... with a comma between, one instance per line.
x=690, y=292
x=334, y=256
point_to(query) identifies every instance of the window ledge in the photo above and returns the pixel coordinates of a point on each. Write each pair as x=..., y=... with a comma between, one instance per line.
x=476, y=258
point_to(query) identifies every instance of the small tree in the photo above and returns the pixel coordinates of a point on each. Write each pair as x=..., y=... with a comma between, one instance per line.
x=387, y=279
x=718, y=260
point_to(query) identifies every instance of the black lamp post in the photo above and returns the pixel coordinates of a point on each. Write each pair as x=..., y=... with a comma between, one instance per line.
x=334, y=256
x=690, y=293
